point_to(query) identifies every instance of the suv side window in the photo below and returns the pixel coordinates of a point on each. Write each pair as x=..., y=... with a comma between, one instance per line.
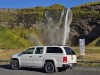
x=39, y=50
x=29, y=51
x=54, y=50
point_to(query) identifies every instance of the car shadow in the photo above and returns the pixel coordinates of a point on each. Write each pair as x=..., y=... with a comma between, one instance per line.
x=7, y=66
x=32, y=69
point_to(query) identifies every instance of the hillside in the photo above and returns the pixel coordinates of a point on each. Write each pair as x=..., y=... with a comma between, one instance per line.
x=96, y=42
x=26, y=16
x=18, y=23
x=86, y=22
x=12, y=39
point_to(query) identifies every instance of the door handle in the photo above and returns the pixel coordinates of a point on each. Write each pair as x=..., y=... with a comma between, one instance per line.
x=40, y=56
x=30, y=56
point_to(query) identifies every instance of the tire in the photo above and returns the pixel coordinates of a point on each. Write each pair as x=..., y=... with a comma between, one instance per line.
x=49, y=67
x=15, y=65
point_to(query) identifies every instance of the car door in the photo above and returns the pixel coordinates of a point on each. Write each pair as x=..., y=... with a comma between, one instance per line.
x=26, y=57
x=38, y=57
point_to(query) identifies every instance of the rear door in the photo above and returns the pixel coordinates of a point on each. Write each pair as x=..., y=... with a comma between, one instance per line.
x=71, y=56
x=38, y=57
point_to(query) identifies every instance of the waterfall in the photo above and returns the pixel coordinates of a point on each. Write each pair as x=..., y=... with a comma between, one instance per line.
x=57, y=30
x=68, y=19
x=61, y=17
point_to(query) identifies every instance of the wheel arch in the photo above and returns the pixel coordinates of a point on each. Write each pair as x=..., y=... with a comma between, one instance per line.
x=17, y=60
x=50, y=60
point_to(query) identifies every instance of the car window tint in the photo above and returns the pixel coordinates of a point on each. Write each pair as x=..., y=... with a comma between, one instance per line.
x=39, y=50
x=29, y=51
x=69, y=51
x=54, y=50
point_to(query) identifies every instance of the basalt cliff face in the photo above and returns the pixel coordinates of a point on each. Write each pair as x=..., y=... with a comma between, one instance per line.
x=85, y=23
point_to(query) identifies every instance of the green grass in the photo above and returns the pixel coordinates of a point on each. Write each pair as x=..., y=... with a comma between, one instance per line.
x=88, y=64
x=91, y=53
x=90, y=3
x=88, y=49
x=17, y=37
x=6, y=54
x=96, y=42
x=1, y=63
x=10, y=39
x=82, y=11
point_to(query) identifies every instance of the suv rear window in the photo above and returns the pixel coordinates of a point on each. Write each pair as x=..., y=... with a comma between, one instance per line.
x=54, y=50
x=69, y=51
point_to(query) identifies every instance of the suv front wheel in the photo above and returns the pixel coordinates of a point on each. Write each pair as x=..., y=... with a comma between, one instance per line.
x=15, y=65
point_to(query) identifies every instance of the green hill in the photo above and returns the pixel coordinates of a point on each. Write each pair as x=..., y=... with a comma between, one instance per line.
x=87, y=10
x=8, y=39
x=86, y=23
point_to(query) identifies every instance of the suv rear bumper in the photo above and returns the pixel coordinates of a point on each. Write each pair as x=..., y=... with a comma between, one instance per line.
x=69, y=65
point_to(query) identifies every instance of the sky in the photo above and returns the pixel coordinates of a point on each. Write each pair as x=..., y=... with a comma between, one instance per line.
x=34, y=3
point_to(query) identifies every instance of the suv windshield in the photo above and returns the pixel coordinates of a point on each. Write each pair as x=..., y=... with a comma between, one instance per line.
x=69, y=51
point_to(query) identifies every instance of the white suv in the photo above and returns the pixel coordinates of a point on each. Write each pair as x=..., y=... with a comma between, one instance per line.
x=49, y=58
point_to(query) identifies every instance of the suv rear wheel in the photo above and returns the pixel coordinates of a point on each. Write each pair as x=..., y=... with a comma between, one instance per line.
x=15, y=65
x=49, y=67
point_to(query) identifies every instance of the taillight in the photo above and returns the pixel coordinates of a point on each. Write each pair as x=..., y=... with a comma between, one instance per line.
x=65, y=59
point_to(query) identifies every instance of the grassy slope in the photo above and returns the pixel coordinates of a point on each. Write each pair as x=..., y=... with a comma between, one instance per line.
x=91, y=3
x=84, y=10
x=91, y=53
x=6, y=54
x=79, y=12
x=95, y=42
x=8, y=39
